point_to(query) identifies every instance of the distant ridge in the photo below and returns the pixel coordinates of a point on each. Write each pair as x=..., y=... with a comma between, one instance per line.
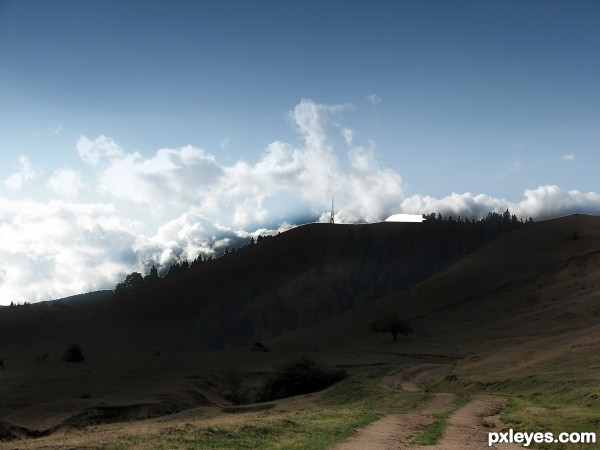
x=86, y=299
x=280, y=283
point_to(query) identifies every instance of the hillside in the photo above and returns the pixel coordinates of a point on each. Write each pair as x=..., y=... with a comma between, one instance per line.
x=536, y=281
x=517, y=318
x=525, y=305
x=282, y=283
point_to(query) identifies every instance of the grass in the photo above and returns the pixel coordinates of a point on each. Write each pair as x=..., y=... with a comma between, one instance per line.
x=552, y=402
x=576, y=411
x=330, y=417
x=433, y=433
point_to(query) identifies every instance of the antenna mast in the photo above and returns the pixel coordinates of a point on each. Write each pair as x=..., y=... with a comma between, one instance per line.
x=332, y=220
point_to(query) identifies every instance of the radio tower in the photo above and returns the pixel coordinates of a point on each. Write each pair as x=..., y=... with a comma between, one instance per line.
x=331, y=219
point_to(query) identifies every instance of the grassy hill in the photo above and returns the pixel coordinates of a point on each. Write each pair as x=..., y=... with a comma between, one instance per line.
x=282, y=283
x=518, y=316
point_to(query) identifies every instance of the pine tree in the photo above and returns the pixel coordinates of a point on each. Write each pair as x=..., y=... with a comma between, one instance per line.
x=152, y=277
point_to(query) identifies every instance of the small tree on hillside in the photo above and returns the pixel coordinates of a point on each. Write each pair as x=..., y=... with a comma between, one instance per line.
x=391, y=324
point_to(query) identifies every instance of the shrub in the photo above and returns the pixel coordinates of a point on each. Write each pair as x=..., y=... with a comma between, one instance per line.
x=300, y=376
x=392, y=324
x=73, y=354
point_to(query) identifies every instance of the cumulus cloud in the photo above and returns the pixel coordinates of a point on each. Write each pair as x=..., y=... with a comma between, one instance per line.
x=181, y=177
x=314, y=122
x=190, y=235
x=184, y=238
x=59, y=248
x=66, y=182
x=92, y=152
x=25, y=174
x=327, y=163
x=540, y=203
x=569, y=157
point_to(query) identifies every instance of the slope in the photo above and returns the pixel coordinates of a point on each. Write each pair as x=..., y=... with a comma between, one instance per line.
x=285, y=282
x=518, y=317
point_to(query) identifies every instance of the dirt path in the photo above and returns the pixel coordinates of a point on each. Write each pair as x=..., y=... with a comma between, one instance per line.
x=467, y=428
x=397, y=430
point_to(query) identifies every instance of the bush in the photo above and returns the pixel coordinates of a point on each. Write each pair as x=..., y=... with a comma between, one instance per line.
x=73, y=354
x=391, y=324
x=298, y=377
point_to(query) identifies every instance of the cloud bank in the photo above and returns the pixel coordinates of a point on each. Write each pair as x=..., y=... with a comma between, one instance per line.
x=541, y=203
x=190, y=178
x=51, y=249
x=60, y=248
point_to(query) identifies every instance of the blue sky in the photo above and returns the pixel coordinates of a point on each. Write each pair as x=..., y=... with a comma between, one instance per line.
x=134, y=132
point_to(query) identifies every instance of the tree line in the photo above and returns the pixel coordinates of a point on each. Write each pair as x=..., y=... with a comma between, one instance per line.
x=135, y=281
x=317, y=272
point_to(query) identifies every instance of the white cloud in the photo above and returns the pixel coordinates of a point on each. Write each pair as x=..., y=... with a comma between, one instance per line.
x=190, y=178
x=172, y=177
x=373, y=99
x=348, y=135
x=25, y=174
x=57, y=248
x=569, y=157
x=540, y=203
x=66, y=182
x=250, y=211
x=186, y=237
x=312, y=120
x=92, y=152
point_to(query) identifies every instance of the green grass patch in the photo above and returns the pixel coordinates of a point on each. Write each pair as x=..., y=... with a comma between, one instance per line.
x=573, y=412
x=561, y=401
x=433, y=433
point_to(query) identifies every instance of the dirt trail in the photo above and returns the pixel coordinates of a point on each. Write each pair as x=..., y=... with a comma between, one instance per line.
x=467, y=427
